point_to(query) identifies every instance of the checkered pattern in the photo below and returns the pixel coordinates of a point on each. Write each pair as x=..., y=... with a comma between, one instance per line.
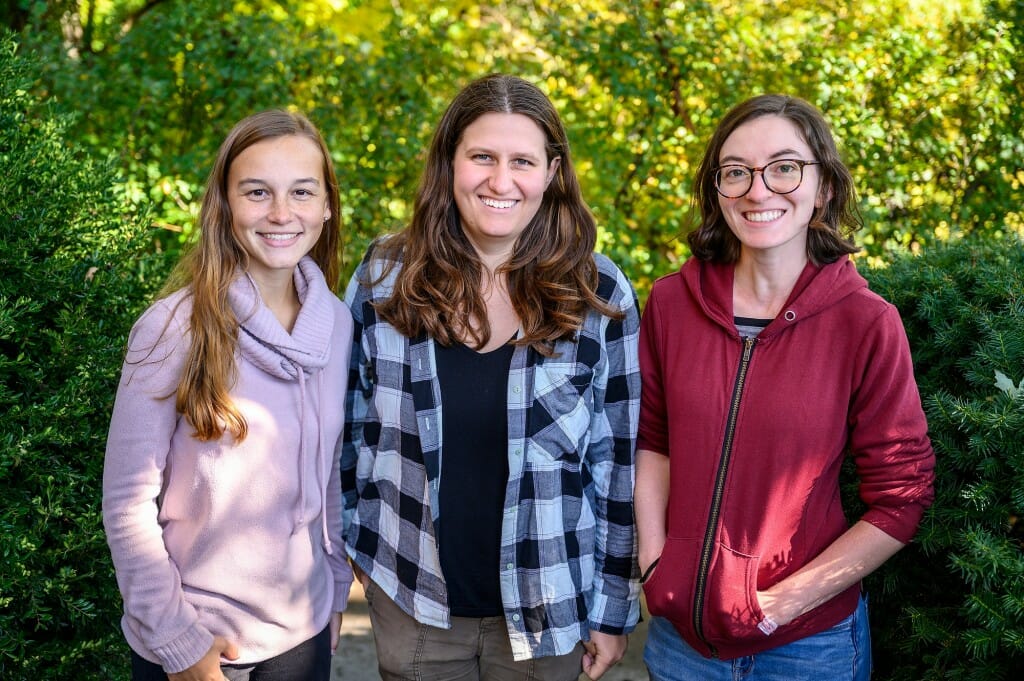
x=568, y=544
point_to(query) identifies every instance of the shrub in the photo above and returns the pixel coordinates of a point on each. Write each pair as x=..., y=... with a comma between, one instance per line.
x=951, y=605
x=73, y=280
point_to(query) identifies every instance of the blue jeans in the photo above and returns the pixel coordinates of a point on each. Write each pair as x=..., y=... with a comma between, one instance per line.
x=842, y=653
x=309, y=661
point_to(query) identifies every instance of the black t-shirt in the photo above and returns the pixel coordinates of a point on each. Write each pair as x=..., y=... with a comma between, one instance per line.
x=474, y=473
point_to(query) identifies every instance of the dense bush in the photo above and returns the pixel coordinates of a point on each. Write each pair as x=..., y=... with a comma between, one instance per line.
x=951, y=606
x=70, y=287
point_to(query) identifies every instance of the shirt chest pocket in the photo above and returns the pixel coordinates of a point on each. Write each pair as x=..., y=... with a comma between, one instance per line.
x=561, y=412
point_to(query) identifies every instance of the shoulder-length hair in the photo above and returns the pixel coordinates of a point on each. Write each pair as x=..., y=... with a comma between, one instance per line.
x=831, y=226
x=214, y=260
x=551, y=274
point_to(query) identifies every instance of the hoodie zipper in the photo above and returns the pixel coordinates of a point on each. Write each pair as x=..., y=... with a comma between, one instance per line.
x=716, y=501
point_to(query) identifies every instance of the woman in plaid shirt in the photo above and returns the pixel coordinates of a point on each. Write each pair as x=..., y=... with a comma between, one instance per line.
x=491, y=420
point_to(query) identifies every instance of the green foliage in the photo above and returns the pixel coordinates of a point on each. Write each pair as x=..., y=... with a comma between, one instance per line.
x=71, y=286
x=951, y=606
x=924, y=98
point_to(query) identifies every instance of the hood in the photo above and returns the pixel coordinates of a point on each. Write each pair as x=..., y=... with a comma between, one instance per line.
x=818, y=288
x=263, y=341
x=296, y=356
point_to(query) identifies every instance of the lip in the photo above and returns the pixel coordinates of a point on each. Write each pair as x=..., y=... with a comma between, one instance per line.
x=498, y=204
x=279, y=239
x=763, y=217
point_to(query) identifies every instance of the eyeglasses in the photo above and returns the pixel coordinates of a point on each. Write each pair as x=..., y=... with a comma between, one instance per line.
x=780, y=177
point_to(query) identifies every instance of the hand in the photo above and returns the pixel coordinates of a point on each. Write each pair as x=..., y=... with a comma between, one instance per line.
x=335, y=626
x=603, y=652
x=647, y=554
x=777, y=608
x=361, y=576
x=208, y=667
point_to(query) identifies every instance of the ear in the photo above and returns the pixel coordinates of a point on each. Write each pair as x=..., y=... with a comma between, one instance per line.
x=552, y=169
x=823, y=197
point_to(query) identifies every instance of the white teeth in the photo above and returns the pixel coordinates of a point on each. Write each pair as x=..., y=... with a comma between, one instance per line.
x=765, y=216
x=498, y=204
x=278, y=237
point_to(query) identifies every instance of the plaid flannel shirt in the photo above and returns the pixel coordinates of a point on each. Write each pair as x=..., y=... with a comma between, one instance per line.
x=568, y=538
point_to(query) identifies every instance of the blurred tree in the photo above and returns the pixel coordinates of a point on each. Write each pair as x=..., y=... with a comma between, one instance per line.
x=922, y=97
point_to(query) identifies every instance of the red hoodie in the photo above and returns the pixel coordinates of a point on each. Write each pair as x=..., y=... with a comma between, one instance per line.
x=757, y=431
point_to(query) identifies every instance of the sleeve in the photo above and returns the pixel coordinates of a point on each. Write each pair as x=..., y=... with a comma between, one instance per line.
x=653, y=429
x=357, y=398
x=337, y=558
x=141, y=430
x=888, y=432
x=614, y=607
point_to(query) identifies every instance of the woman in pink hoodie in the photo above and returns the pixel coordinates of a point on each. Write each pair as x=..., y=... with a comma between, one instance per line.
x=766, y=362
x=221, y=490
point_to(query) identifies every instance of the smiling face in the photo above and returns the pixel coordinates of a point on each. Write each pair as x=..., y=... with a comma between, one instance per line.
x=278, y=199
x=765, y=222
x=501, y=170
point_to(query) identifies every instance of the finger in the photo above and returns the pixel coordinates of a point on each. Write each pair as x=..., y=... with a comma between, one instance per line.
x=597, y=669
x=335, y=629
x=228, y=650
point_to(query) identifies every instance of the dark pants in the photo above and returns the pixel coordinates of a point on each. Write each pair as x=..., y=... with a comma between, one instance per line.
x=309, y=661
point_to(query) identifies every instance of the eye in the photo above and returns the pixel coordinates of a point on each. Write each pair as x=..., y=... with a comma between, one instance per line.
x=734, y=173
x=257, y=194
x=304, y=193
x=785, y=167
x=522, y=163
x=481, y=158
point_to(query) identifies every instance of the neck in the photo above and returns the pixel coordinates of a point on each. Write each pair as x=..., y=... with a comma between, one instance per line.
x=492, y=255
x=761, y=286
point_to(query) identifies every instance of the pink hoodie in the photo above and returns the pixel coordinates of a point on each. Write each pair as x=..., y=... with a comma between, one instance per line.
x=223, y=539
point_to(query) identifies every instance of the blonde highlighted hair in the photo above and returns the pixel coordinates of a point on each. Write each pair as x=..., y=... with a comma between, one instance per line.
x=212, y=263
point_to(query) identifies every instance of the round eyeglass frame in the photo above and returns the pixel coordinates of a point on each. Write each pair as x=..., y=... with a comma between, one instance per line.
x=751, y=171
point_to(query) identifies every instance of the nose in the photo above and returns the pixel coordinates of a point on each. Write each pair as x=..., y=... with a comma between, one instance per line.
x=758, y=187
x=280, y=211
x=500, y=180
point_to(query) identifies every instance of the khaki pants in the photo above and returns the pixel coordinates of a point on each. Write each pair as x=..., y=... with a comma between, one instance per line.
x=474, y=649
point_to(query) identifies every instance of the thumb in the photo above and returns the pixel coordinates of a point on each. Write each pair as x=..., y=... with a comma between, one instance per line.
x=228, y=650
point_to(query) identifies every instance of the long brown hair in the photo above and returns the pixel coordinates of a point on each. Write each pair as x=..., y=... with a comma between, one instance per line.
x=212, y=263
x=831, y=225
x=552, y=277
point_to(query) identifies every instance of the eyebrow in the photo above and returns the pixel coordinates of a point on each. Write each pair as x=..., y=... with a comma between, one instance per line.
x=782, y=153
x=256, y=180
x=514, y=154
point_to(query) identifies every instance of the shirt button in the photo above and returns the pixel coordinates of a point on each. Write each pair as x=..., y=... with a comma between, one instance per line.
x=515, y=618
x=509, y=566
x=516, y=389
x=518, y=451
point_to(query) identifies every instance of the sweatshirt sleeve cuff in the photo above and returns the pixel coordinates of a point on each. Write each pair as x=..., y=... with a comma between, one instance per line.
x=183, y=652
x=342, y=586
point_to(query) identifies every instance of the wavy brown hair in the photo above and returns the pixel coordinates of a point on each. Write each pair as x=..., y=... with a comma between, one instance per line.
x=551, y=275
x=832, y=224
x=212, y=263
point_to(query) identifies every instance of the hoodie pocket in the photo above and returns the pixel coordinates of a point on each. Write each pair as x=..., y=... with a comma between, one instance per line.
x=731, y=611
x=669, y=588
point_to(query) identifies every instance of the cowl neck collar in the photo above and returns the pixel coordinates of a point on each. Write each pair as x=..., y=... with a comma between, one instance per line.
x=263, y=341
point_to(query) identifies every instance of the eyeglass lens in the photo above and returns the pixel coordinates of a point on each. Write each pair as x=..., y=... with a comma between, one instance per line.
x=781, y=177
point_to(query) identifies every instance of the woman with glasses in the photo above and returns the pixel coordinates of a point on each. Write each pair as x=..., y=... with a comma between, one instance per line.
x=766, y=361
